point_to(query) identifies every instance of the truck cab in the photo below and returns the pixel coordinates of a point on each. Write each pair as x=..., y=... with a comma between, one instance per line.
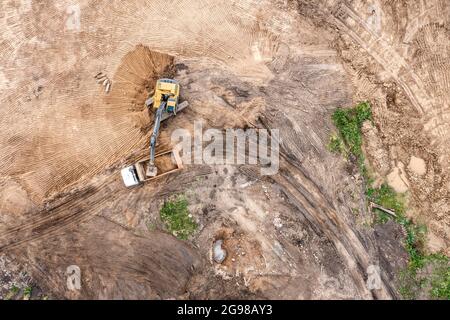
x=129, y=176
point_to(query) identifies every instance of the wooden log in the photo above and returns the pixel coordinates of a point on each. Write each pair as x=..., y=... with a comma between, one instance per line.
x=388, y=211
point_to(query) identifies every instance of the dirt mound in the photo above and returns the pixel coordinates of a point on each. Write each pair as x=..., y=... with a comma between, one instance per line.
x=135, y=78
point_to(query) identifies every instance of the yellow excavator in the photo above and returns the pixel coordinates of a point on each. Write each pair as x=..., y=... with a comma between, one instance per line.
x=165, y=104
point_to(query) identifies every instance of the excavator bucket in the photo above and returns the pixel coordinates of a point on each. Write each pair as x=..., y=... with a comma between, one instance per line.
x=166, y=162
x=151, y=171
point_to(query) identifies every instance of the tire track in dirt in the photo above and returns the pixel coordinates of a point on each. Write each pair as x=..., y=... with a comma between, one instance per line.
x=319, y=211
x=85, y=201
x=353, y=25
x=70, y=210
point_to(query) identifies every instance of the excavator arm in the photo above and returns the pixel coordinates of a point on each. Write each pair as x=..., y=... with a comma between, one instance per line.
x=151, y=169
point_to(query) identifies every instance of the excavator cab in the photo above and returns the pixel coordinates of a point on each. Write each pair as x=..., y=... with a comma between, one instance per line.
x=172, y=105
x=166, y=90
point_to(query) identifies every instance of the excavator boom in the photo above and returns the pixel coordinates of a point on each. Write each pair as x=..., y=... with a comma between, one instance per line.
x=151, y=169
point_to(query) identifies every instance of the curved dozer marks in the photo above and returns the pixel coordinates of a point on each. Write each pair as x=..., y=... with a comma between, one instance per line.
x=83, y=133
x=69, y=210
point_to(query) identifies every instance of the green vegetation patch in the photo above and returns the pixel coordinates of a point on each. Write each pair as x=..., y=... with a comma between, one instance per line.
x=349, y=123
x=440, y=278
x=13, y=291
x=27, y=293
x=176, y=217
x=386, y=197
x=336, y=144
x=432, y=278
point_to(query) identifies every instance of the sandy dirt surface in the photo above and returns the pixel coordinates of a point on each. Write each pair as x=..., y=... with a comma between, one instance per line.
x=241, y=64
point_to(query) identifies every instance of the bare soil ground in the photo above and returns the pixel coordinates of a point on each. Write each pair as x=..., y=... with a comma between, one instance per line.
x=302, y=233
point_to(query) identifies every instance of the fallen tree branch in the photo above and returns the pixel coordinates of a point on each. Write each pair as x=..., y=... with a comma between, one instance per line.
x=376, y=206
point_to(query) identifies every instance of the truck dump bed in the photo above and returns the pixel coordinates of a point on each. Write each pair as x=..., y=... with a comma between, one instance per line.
x=166, y=162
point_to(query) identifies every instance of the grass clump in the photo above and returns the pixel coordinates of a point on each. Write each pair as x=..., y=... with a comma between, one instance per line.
x=415, y=235
x=336, y=144
x=349, y=123
x=13, y=291
x=27, y=293
x=176, y=217
x=440, y=279
x=431, y=280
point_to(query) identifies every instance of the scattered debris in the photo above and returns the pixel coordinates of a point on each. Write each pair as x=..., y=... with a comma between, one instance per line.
x=277, y=222
x=104, y=80
x=266, y=192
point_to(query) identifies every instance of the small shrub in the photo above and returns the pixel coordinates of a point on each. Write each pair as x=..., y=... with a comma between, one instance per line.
x=349, y=123
x=27, y=293
x=336, y=145
x=12, y=292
